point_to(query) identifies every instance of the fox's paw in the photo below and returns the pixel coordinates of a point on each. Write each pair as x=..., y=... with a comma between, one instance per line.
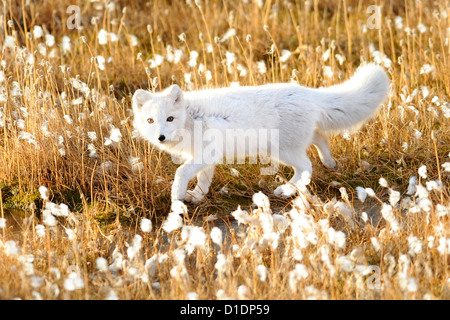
x=178, y=207
x=331, y=164
x=285, y=191
x=194, y=196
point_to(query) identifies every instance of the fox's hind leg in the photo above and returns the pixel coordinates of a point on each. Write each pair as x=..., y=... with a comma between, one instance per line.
x=320, y=141
x=204, y=179
x=302, y=173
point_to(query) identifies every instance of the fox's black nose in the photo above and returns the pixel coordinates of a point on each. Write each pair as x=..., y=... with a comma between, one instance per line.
x=161, y=138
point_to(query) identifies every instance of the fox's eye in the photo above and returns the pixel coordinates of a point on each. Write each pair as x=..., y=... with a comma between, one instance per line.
x=170, y=119
x=150, y=120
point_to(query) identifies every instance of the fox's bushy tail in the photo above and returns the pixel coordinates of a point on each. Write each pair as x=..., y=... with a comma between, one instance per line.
x=349, y=104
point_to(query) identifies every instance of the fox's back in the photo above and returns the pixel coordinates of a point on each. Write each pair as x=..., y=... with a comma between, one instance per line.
x=245, y=107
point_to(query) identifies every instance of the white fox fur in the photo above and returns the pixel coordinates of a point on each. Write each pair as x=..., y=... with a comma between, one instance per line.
x=302, y=116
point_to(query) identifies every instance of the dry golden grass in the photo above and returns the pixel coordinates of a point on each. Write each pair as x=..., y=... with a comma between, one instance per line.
x=63, y=105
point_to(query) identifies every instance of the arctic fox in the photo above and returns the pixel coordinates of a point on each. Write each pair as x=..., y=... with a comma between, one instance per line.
x=298, y=116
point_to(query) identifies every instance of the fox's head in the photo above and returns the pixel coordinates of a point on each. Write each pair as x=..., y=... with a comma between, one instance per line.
x=159, y=116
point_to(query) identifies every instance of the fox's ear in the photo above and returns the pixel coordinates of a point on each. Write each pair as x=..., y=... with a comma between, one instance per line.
x=140, y=97
x=175, y=92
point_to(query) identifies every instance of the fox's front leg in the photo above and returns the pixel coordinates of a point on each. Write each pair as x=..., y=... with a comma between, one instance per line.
x=184, y=174
x=204, y=179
